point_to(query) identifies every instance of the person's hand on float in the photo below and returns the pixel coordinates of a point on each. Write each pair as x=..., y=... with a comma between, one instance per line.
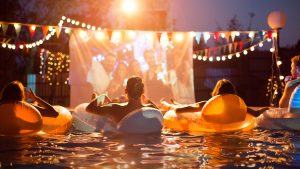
x=31, y=95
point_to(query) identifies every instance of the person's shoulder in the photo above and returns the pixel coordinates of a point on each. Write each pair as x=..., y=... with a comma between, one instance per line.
x=293, y=83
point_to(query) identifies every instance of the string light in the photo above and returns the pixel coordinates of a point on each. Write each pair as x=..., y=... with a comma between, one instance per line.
x=52, y=65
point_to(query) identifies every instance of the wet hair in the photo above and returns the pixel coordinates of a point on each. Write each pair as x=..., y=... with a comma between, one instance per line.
x=296, y=60
x=14, y=91
x=223, y=86
x=135, y=87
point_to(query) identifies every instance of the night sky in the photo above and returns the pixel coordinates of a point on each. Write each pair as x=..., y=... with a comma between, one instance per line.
x=206, y=15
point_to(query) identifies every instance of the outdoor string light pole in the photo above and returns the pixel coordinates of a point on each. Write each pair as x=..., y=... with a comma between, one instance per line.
x=276, y=21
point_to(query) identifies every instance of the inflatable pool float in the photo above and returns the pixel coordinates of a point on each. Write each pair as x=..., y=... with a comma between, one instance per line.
x=222, y=113
x=19, y=118
x=142, y=121
x=282, y=118
x=60, y=124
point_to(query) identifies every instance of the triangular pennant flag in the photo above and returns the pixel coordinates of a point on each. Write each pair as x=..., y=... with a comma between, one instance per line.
x=17, y=28
x=158, y=34
x=235, y=44
x=261, y=35
x=206, y=36
x=198, y=37
x=169, y=34
x=232, y=36
x=224, y=49
x=31, y=30
x=230, y=47
x=227, y=35
x=4, y=28
x=269, y=34
x=109, y=33
x=58, y=30
x=205, y=52
x=241, y=45
x=45, y=30
x=208, y=52
x=251, y=36
x=217, y=34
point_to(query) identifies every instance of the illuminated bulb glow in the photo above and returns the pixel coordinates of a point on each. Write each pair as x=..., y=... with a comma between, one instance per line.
x=223, y=35
x=178, y=37
x=279, y=62
x=245, y=52
x=199, y=57
x=211, y=59
x=229, y=56
x=218, y=58
x=272, y=50
x=238, y=55
x=260, y=44
x=194, y=56
x=128, y=6
x=223, y=58
x=204, y=58
x=252, y=48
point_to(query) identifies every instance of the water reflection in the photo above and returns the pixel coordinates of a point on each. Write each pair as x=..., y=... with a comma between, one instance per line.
x=259, y=148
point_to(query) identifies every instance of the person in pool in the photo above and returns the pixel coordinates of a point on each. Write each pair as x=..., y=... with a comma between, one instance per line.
x=291, y=82
x=222, y=87
x=15, y=92
x=134, y=90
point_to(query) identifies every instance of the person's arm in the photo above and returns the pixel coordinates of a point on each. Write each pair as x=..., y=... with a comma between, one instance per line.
x=196, y=107
x=47, y=109
x=285, y=98
x=99, y=105
x=258, y=112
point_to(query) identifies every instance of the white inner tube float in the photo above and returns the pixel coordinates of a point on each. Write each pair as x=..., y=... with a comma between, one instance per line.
x=142, y=121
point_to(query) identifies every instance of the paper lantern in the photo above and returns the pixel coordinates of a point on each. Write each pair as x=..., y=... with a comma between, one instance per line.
x=276, y=19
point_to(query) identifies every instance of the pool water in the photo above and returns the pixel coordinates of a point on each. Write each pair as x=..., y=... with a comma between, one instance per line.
x=258, y=149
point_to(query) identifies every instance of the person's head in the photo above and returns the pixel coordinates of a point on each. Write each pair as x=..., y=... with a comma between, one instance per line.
x=109, y=62
x=121, y=71
x=14, y=91
x=295, y=67
x=134, y=68
x=134, y=88
x=223, y=86
x=149, y=57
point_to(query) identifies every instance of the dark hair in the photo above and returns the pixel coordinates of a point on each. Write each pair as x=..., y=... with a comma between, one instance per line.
x=14, y=91
x=135, y=87
x=296, y=60
x=223, y=86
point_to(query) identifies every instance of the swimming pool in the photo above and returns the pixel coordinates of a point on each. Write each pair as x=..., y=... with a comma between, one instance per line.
x=258, y=148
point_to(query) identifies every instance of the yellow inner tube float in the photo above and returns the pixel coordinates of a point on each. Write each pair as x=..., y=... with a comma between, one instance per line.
x=221, y=113
x=19, y=118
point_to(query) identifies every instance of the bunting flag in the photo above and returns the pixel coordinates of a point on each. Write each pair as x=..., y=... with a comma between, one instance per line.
x=269, y=33
x=261, y=35
x=241, y=45
x=230, y=47
x=227, y=35
x=208, y=52
x=31, y=30
x=17, y=28
x=205, y=52
x=235, y=44
x=206, y=36
x=158, y=35
x=109, y=33
x=224, y=48
x=45, y=30
x=169, y=34
x=216, y=35
x=198, y=37
x=4, y=28
x=215, y=51
x=232, y=36
x=58, y=30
